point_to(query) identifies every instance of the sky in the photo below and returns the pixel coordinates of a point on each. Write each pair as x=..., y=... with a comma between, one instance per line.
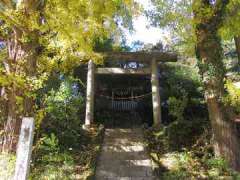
x=142, y=32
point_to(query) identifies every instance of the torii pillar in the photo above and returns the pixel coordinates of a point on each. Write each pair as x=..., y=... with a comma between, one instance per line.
x=155, y=57
x=155, y=93
x=90, y=95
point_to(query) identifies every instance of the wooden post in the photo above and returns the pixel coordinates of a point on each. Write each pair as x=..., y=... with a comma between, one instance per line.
x=24, y=149
x=155, y=94
x=90, y=95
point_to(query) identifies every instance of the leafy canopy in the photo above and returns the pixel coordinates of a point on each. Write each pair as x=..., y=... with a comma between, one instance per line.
x=55, y=35
x=177, y=17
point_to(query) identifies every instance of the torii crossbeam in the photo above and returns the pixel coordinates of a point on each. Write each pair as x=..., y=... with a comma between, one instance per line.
x=151, y=58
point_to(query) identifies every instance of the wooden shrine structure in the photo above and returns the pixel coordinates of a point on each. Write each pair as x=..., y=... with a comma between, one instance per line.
x=150, y=58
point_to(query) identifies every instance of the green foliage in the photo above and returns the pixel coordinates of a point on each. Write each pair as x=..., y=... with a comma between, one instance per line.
x=182, y=92
x=175, y=16
x=187, y=153
x=178, y=133
x=182, y=149
x=53, y=36
x=7, y=164
x=231, y=23
x=181, y=80
x=64, y=110
x=233, y=96
x=175, y=136
x=177, y=107
x=51, y=161
x=178, y=175
x=185, y=104
x=190, y=167
x=53, y=166
x=49, y=143
x=62, y=149
x=218, y=163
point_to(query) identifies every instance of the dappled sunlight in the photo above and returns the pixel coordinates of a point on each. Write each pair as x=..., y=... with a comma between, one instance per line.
x=169, y=161
x=7, y=164
x=124, y=156
x=120, y=89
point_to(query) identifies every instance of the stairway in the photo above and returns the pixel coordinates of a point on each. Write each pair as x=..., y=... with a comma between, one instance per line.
x=123, y=156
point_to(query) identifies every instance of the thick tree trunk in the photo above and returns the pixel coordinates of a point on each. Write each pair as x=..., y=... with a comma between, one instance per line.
x=210, y=56
x=17, y=52
x=237, y=43
x=226, y=143
x=12, y=125
x=22, y=60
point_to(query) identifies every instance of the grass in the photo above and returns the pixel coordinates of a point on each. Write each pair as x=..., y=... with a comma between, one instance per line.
x=190, y=163
x=51, y=163
x=7, y=166
x=72, y=163
x=182, y=149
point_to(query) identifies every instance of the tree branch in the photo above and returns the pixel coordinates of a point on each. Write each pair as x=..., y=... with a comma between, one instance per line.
x=13, y=22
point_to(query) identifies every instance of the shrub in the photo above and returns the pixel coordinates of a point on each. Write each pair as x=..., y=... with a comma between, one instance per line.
x=49, y=144
x=63, y=115
x=177, y=107
x=182, y=134
x=62, y=149
x=192, y=160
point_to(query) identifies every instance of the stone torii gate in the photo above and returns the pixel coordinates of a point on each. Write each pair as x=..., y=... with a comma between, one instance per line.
x=151, y=58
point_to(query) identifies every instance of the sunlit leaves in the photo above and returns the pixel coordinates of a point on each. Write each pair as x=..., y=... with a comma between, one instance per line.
x=232, y=21
x=177, y=16
x=233, y=96
x=45, y=36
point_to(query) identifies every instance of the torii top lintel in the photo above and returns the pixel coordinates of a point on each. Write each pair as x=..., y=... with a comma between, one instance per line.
x=151, y=57
x=140, y=56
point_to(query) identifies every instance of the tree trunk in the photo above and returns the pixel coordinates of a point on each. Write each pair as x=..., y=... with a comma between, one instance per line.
x=237, y=43
x=210, y=61
x=27, y=53
x=12, y=125
x=226, y=143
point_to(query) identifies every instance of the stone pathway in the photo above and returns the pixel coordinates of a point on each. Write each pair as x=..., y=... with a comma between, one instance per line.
x=123, y=156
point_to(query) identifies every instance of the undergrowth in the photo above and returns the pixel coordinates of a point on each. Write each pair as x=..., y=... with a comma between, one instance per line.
x=7, y=166
x=52, y=162
x=187, y=155
x=182, y=147
x=62, y=149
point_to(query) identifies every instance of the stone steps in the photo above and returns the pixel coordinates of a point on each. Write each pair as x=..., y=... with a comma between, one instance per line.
x=123, y=156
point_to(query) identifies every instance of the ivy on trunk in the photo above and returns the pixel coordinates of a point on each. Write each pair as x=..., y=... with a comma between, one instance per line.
x=209, y=16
